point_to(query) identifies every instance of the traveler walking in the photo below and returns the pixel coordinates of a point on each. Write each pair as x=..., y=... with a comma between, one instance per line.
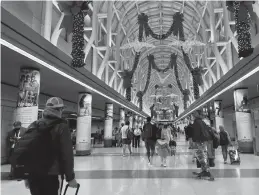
x=125, y=140
x=13, y=136
x=49, y=142
x=149, y=136
x=163, y=144
x=225, y=141
x=137, y=134
x=201, y=135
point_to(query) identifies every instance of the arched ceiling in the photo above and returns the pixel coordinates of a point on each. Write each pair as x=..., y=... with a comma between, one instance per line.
x=160, y=14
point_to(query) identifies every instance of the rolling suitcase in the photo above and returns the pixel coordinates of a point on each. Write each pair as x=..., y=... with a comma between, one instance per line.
x=77, y=189
x=234, y=156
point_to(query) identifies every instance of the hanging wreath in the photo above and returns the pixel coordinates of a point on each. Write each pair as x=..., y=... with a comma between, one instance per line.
x=176, y=27
x=243, y=13
x=170, y=86
x=157, y=86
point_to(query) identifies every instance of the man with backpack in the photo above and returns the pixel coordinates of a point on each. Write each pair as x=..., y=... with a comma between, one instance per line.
x=150, y=137
x=201, y=134
x=44, y=154
x=224, y=142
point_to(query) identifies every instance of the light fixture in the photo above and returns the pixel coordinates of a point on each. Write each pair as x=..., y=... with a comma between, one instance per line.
x=43, y=63
x=222, y=91
x=187, y=44
x=137, y=45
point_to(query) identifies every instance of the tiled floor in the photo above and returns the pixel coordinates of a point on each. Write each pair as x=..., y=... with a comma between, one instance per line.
x=107, y=172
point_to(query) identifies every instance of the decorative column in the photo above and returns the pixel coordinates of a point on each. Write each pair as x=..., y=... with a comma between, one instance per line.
x=108, y=125
x=219, y=118
x=122, y=116
x=84, y=124
x=28, y=97
x=243, y=121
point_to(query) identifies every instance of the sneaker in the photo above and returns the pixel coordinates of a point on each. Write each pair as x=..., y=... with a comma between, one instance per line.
x=204, y=174
x=225, y=162
x=123, y=155
x=165, y=165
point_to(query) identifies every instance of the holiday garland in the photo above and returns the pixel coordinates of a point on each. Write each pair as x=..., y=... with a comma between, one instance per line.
x=127, y=75
x=185, y=92
x=176, y=27
x=75, y=12
x=196, y=75
x=243, y=12
x=140, y=94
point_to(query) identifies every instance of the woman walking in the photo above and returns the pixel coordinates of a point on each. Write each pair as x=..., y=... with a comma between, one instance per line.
x=163, y=144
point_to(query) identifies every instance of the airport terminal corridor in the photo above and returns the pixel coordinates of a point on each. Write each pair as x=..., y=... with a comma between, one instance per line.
x=107, y=172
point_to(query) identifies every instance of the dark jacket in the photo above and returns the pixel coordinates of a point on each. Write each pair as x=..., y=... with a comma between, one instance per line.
x=149, y=132
x=64, y=162
x=10, y=136
x=189, y=131
x=199, y=126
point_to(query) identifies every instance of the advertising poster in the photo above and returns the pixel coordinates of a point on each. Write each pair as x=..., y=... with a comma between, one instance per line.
x=218, y=108
x=109, y=112
x=122, y=116
x=85, y=105
x=84, y=120
x=29, y=88
x=241, y=100
x=244, y=126
x=26, y=115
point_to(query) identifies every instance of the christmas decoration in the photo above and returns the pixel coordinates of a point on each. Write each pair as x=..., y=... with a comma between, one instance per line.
x=127, y=75
x=243, y=12
x=170, y=86
x=140, y=94
x=169, y=66
x=75, y=12
x=196, y=75
x=176, y=27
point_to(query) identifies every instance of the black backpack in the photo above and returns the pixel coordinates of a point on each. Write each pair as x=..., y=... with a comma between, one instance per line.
x=150, y=131
x=34, y=153
x=223, y=138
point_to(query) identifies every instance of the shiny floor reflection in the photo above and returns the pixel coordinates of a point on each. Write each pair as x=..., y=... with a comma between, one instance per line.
x=107, y=172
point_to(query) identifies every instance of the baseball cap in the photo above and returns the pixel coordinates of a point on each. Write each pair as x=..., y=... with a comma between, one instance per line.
x=55, y=102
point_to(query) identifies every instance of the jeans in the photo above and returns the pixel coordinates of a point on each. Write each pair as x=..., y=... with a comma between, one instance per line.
x=225, y=152
x=202, y=156
x=136, y=141
x=44, y=185
x=150, y=146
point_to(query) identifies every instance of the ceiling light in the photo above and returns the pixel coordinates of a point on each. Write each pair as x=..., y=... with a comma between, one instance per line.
x=43, y=63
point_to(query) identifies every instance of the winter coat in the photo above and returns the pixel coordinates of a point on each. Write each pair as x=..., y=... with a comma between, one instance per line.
x=64, y=161
x=198, y=127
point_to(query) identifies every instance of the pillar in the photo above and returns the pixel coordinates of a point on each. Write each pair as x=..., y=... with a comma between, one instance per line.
x=84, y=124
x=48, y=19
x=122, y=116
x=28, y=97
x=135, y=125
x=131, y=121
x=219, y=118
x=108, y=125
x=243, y=121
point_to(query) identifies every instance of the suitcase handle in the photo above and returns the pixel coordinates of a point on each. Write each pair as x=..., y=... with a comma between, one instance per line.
x=77, y=189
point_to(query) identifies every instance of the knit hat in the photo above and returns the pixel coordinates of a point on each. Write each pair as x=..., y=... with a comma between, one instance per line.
x=55, y=102
x=17, y=124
